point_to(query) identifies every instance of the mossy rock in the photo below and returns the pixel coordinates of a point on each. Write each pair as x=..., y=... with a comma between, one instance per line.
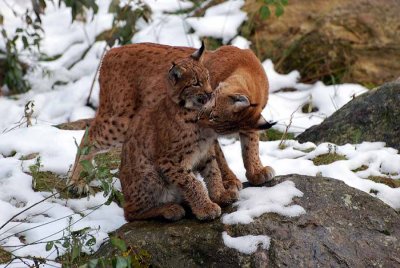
x=373, y=116
x=338, y=224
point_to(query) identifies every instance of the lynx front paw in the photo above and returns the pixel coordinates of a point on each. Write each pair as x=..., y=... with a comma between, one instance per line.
x=208, y=212
x=264, y=176
x=227, y=197
x=174, y=212
x=232, y=183
x=78, y=187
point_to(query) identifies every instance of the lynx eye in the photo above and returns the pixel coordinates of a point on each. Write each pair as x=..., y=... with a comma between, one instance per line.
x=197, y=84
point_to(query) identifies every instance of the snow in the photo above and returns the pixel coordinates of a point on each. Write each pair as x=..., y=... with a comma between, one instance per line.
x=221, y=21
x=255, y=201
x=247, y=244
x=59, y=91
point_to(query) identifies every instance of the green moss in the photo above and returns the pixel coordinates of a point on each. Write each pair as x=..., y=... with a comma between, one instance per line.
x=356, y=136
x=326, y=159
x=393, y=183
x=369, y=85
x=363, y=167
x=5, y=256
x=46, y=181
x=274, y=135
x=212, y=43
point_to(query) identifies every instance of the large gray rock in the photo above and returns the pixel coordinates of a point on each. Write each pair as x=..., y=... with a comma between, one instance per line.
x=343, y=227
x=373, y=116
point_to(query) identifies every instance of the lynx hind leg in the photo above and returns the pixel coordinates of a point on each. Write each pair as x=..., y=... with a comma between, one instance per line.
x=256, y=173
x=146, y=194
x=169, y=211
x=212, y=175
x=229, y=179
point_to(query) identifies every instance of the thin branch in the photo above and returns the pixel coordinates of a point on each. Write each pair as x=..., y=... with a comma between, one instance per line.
x=95, y=76
x=35, y=204
x=78, y=212
x=284, y=135
x=39, y=241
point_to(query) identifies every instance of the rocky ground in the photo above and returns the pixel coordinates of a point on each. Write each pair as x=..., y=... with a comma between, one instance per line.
x=373, y=116
x=342, y=227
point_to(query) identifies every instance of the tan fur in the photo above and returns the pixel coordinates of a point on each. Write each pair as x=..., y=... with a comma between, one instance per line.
x=131, y=78
x=163, y=147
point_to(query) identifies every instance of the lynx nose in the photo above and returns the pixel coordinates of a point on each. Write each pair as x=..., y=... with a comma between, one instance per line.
x=208, y=90
x=202, y=99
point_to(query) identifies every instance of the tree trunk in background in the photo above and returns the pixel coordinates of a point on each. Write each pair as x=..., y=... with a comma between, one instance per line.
x=333, y=41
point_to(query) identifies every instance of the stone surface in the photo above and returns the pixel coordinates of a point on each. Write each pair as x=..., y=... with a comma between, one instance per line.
x=343, y=227
x=373, y=116
x=337, y=40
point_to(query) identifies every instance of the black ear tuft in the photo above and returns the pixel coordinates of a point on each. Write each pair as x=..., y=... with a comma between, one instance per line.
x=197, y=55
x=266, y=125
x=174, y=74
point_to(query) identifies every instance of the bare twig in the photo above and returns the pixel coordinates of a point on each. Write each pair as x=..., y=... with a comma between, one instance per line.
x=284, y=135
x=95, y=76
x=35, y=204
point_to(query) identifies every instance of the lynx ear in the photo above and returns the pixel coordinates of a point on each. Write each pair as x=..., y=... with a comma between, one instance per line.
x=264, y=124
x=198, y=54
x=175, y=73
x=240, y=102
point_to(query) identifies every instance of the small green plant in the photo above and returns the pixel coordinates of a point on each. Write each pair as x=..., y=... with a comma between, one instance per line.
x=265, y=9
x=35, y=170
x=30, y=35
x=124, y=257
x=102, y=173
x=361, y=168
x=13, y=77
x=70, y=246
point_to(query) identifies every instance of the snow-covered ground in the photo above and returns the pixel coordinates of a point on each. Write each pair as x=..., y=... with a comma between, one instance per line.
x=62, y=102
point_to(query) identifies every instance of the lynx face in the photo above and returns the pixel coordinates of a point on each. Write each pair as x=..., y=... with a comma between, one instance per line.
x=190, y=81
x=231, y=110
